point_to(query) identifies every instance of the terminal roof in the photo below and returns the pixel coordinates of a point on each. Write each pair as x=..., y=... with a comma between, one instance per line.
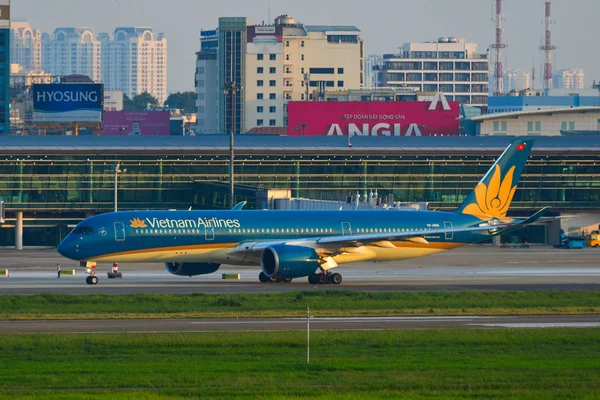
x=282, y=145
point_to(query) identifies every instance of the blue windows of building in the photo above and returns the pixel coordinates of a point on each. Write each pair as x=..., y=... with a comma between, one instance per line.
x=273, y=109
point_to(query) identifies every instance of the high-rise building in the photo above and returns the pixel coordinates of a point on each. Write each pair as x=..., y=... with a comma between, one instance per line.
x=569, y=79
x=25, y=46
x=373, y=70
x=207, y=83
x=71, y=51
x=517, y=79
x=271, y=65
x=134, y=60
x=4, y=67
x=449, y=65
x=232, y=35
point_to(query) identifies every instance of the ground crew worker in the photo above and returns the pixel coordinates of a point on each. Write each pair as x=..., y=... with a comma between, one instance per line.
x=58, y=270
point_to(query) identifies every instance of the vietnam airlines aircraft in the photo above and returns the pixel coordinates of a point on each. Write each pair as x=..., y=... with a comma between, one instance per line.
x=294, y=244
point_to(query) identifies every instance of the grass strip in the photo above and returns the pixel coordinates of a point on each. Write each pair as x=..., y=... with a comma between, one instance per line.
x=534, y=364
x=323, y=303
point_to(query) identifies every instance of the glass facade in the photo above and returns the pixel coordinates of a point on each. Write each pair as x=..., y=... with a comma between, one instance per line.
x=86, y=184
x=4, y=81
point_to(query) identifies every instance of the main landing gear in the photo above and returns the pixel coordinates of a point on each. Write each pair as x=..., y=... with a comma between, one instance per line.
x=265, y=279
x=325, y=279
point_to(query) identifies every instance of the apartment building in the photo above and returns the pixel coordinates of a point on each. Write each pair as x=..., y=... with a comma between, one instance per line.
x=449, y=65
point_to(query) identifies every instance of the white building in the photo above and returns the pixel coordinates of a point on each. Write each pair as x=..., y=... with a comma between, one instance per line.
x=72, y=51
x=569, y=79
x=134, y=60
x=540, y=122
x=271, y=65
x=517, y=79
x=25, y=46
x=449, y=65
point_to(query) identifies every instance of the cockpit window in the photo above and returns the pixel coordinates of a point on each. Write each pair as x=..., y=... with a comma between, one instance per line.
x=83, y=230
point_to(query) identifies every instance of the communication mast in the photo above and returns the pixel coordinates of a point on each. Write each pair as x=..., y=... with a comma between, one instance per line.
x=548, y=49
x=498, y=46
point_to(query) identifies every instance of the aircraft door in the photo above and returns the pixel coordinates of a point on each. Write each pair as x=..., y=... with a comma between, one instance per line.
x=209, y=233
x=346, y=228
x=448, y=225
x=119, y=232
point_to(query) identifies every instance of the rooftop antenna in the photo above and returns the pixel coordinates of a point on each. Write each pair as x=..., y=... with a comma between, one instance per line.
x=548, y=49
x=499, y=47
x=533, y=76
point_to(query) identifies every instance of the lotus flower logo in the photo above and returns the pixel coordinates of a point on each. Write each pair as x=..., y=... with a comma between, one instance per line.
x=138, y=223
x=493, y=200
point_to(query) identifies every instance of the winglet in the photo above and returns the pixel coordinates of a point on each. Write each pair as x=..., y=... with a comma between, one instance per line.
x=239, y=206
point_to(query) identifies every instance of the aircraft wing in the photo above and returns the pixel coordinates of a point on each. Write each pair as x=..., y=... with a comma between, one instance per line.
x=416, y=236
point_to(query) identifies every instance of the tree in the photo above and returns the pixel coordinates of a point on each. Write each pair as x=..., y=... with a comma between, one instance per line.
x=140, y=102
x=185, y=101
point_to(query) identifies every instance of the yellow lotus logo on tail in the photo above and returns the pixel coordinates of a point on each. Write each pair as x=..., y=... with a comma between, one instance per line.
x=138, y=223
x=493, y=201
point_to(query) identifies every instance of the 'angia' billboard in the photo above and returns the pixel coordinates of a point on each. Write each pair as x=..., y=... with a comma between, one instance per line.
x=136, y=123
x=372, y=118
x=67, y=102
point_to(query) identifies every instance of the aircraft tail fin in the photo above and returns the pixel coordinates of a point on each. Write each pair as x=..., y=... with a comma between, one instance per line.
x=492, y=196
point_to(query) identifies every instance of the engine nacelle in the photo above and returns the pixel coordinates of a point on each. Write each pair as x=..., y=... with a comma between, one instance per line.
x=283, y=261
x=191, y=269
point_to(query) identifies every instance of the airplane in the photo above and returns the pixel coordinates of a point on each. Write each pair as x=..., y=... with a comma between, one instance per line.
x=296, y=244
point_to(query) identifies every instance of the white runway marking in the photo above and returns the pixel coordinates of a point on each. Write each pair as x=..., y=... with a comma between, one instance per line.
x=543, y=325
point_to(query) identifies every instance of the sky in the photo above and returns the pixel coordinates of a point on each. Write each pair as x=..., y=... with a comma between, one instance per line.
x=385, y=25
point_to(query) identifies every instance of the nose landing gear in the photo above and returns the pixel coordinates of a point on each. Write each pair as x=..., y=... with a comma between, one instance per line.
x=91, y=279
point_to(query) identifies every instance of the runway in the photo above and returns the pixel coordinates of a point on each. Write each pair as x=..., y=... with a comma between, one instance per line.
x=475, y=268
x=297, y=324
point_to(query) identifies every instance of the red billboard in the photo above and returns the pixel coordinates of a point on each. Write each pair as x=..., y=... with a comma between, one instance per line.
x=136, y=123
x=373, y=118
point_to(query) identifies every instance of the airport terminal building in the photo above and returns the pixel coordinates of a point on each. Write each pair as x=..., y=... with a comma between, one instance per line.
x=50, y=183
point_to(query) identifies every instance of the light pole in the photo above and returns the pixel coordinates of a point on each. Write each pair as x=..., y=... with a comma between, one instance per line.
x=117, y=172
x=230, y=89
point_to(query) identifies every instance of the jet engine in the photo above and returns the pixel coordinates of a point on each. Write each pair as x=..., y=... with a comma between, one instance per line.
x=191, y=269
x=281, y=261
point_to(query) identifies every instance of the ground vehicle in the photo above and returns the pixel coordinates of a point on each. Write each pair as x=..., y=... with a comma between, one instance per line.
x=594, y=239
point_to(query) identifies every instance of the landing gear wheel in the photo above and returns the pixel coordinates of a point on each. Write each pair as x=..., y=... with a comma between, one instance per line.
x=263, y=278
x=313, y=279
x=88, y=279
x=287, y=280
x=272, y=279
x=323, y=279
x=94, y=280
x=336, y=279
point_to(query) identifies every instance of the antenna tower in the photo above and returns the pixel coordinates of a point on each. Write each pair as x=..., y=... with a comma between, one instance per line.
x=548, y=49
x=498, y=46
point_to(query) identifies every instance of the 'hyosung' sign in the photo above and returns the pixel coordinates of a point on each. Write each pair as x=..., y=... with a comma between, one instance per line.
x=68, y=102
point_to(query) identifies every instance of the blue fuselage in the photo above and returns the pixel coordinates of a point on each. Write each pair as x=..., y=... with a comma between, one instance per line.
x=220, y=236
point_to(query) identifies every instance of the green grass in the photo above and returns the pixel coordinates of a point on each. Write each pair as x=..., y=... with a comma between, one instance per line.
x=536, y=364
x=323, y=303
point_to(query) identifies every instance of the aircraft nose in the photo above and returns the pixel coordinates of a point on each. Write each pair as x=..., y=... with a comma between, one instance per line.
x=67, y=249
